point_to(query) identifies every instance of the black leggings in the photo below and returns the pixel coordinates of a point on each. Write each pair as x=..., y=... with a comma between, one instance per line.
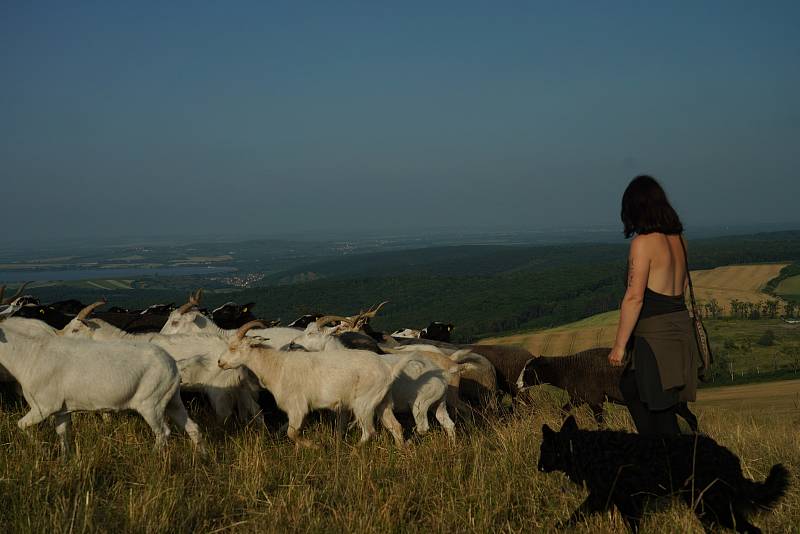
x=648, y=422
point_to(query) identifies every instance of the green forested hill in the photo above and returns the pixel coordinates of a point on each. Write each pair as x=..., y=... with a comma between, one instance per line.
x=484, y=289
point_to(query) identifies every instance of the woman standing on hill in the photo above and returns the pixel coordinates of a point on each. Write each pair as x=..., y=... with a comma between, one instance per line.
x=655, y=337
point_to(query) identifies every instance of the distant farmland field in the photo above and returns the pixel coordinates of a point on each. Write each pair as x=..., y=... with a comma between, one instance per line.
x=789, y=288
x=742, y=282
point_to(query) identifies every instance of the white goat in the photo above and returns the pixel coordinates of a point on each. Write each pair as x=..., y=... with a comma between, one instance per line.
x=407, y=333
x=198, y=371
x=420, y=387
x=431, y=379
x=193, y=322
x=59, y=376
x=356, y=380
x=481, y=370
x=29, y=327
x=453, y=371
x=225, y=388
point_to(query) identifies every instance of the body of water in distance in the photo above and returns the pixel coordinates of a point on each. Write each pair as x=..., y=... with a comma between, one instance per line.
x=42, y=275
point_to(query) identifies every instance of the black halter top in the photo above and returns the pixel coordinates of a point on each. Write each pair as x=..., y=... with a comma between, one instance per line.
x=659, y=304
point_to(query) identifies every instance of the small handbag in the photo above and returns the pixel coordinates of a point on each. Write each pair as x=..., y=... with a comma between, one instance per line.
x=700, y=332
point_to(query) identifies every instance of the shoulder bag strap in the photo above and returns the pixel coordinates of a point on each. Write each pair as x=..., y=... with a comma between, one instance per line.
x=689, y=278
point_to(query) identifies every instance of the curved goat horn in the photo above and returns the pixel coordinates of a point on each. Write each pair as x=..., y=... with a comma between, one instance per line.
x=16, y=295
x=84, y=313
x=246, y=327
x=372, y=312
x=362, y=318
x=322, y=321
x=194, y=300
x=195, y=297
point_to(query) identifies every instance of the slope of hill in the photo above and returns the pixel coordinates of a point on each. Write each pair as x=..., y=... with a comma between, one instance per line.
x=789, y=288
x=743, y=282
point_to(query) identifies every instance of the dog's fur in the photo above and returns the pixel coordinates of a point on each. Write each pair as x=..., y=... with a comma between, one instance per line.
x=624, y=470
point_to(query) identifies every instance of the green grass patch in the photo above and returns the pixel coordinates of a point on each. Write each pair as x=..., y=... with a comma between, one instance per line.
x=789, y=288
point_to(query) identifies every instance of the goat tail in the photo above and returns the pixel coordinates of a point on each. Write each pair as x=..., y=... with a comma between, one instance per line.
x=459, y=354
x=397, y=368
x=460, y=369
x=767, y=494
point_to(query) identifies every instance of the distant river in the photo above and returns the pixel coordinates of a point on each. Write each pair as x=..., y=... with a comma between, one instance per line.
x=40, y=275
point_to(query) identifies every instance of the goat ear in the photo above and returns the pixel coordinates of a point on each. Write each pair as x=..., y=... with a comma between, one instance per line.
x=570, y=425
x=546, y=430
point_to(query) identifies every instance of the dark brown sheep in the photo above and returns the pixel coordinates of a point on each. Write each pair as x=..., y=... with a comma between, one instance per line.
x=508, y=361
x=588, y=378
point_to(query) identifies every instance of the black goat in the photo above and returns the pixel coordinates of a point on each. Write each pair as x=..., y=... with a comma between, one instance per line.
x=231, y=315
x=437, y=331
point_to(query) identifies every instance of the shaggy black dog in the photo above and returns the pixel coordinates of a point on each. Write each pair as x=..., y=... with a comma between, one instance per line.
x=627, y=469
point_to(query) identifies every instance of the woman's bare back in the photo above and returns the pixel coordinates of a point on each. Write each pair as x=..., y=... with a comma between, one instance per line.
x=667, y=263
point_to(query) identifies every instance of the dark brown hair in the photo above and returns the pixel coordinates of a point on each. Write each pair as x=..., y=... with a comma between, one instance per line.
x=646, y=209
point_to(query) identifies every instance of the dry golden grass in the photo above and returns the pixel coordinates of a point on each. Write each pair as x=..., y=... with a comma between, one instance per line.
x=257, y=482
x=776, y=398
x=742, y=282
x=595, y=331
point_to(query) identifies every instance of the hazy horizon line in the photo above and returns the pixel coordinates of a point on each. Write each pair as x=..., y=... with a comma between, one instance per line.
x=344, y=235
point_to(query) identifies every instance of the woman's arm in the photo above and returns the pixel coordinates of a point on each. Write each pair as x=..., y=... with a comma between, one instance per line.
x=638, y=273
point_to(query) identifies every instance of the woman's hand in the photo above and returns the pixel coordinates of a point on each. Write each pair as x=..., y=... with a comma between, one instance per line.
x=616, y=356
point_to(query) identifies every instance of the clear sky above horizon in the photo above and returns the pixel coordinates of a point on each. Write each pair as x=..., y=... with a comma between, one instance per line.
x=142, y=118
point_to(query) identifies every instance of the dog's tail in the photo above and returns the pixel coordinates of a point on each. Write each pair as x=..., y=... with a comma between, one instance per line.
x=766, y=494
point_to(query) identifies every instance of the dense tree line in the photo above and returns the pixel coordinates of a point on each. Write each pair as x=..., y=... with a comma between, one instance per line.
x=483, y=290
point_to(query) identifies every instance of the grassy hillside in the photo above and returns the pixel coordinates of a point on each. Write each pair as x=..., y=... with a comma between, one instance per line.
x=255, y=481
x=789, y=288
x=595, y=331
x=741, y=282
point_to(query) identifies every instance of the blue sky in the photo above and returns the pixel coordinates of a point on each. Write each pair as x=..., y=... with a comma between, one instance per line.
x=140, y=118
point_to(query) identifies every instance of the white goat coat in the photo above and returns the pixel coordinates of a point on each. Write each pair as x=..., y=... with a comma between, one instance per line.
x=196, y=355
x=302, y=381
x=420, y=387
x=61, y=375
x=225, y=388
x=28, y=327
x=195, y=322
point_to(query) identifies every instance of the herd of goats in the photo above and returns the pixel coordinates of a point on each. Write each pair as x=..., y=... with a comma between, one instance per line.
x=67, y=356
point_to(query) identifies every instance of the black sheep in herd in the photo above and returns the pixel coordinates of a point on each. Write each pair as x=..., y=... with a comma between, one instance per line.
x=588, y=378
